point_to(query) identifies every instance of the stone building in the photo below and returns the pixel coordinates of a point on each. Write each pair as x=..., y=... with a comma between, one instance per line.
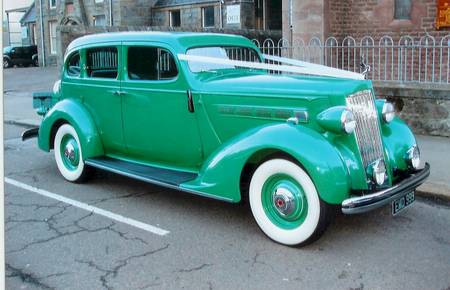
x=74, y=18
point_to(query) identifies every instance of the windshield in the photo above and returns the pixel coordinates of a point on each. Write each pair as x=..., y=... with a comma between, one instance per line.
x=223, y=52
x=7, y=49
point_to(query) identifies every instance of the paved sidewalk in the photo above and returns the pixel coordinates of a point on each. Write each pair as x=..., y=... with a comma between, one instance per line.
x=19, y=83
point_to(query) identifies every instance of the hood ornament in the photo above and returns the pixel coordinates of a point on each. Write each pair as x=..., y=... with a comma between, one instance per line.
x=365, y=68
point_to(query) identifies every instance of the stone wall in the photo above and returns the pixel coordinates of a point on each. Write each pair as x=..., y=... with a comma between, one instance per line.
x=425, y=107
x=68, y=33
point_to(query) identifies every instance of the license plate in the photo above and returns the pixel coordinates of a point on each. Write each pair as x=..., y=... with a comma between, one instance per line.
x=402, y=202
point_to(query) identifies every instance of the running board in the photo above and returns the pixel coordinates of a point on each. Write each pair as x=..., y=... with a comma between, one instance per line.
x=150, y=174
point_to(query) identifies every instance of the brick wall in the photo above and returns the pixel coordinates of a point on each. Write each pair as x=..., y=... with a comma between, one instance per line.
x=376, y=18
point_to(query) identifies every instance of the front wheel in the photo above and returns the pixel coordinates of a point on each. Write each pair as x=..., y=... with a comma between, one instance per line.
x=68, y=154
x=285, y=203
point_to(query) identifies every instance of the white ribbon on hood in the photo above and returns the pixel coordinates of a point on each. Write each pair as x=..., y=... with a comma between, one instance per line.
x=294, y=66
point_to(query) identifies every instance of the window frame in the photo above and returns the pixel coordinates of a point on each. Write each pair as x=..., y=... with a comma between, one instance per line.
x=66, y=65
x=52, y=38
x=126, y=77
x=95, y=20
x=204, y=18
x=50, y=6
x=170, y=17
x=84, y=55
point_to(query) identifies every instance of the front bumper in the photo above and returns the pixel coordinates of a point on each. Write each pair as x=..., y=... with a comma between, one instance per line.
x=364, y=203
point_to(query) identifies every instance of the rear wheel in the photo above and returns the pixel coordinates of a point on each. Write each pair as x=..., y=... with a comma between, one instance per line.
x=35, y=62
x=285, y=203
x=68, y=154
x=6, y=63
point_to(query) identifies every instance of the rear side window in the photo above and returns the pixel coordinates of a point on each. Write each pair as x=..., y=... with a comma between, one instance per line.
x=73, y=65
x=150, y=63
x=102, y=62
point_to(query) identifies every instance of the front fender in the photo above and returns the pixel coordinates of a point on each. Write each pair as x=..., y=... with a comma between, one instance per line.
x=72, y=112
x=398, y=138
x=221, y=173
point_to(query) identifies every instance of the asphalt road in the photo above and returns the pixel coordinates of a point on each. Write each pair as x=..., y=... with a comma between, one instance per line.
x=209, y=245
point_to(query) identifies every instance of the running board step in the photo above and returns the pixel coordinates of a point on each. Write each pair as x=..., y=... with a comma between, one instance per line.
x=145, y=173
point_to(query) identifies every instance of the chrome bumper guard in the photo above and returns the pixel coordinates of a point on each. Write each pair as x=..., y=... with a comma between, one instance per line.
x=364, y=203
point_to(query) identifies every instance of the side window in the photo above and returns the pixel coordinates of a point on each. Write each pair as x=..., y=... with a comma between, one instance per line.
x=167, y=66
x=102, y=62
x=73, y=65
x=150, y=63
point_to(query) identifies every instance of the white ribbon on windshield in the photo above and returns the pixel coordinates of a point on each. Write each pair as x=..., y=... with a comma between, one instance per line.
x=295, y=66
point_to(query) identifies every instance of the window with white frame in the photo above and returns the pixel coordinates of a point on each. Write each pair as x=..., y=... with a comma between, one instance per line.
x=52, y=28
x=100, y=20
x=208, y=16
x=52, y=4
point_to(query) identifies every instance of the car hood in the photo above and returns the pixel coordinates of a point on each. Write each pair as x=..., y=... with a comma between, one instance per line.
x=253, y=83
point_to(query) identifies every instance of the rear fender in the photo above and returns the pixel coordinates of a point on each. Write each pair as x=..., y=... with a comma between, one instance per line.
x=221, y=173
x=72, y=112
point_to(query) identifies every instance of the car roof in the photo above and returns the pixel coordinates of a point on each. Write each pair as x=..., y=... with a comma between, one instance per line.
x=180, y=41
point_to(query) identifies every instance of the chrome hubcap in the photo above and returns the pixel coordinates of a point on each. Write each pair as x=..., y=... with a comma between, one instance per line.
x=284, y=201
x=69, y=152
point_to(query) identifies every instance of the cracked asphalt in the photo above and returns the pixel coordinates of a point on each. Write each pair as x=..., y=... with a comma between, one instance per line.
x=211, y=244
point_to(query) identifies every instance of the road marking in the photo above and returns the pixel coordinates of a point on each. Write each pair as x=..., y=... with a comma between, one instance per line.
x=90, y=208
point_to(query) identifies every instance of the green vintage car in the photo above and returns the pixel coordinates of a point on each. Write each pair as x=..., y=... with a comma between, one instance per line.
x=209, y=114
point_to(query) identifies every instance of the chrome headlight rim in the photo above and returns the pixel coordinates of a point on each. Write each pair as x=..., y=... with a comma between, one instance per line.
x=413, y=157
x=348, y=121
x=388, y=112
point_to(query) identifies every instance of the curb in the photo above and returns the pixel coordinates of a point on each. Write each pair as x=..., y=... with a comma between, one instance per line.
x=435, y=190
x=23, y=122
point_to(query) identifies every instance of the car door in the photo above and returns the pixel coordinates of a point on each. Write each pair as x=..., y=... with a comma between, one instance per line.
x=99, y=90
x=159, y=126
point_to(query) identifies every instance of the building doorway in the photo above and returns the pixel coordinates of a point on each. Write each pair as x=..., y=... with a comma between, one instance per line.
x=268, y=14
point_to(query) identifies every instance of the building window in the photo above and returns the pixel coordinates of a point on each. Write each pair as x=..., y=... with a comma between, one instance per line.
x=99, y=1
x=208, y=16
x=102, y=62
x=99, y=20
x=52, y=4
x=52, y=28
x=175, y=18
x=402, y=9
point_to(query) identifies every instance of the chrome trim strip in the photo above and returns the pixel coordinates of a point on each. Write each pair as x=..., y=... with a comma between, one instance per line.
x=364, y=203
x=153, y=181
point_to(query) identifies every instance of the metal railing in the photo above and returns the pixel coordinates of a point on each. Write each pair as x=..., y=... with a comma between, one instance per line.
x=406, y=59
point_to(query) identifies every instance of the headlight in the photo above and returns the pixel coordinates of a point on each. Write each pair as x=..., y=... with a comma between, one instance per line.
x=413, y=157
x=337, y=119
x=348, y=121
x=388, y=112
x=377, y=171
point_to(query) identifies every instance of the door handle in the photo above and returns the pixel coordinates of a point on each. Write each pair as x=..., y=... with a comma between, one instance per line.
x=190, y=101
x=119, y=93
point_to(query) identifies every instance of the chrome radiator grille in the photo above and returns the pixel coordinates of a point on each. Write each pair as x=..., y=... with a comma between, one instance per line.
x=367, y=131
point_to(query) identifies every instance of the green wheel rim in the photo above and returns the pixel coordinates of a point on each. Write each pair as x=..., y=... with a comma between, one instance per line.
x=70, y=152
x=284, y=201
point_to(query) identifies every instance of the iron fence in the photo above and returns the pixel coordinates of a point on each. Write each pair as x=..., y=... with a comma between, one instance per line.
x=406, y=59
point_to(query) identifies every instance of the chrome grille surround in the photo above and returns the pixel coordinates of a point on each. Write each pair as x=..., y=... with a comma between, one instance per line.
x=367, y=132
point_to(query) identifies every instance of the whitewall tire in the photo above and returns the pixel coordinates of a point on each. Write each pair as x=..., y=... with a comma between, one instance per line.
x=285, y=203
x=68, y=154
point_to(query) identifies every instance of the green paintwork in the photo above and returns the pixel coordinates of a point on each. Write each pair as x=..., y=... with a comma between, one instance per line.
x=240, y=118
x=294, y=219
